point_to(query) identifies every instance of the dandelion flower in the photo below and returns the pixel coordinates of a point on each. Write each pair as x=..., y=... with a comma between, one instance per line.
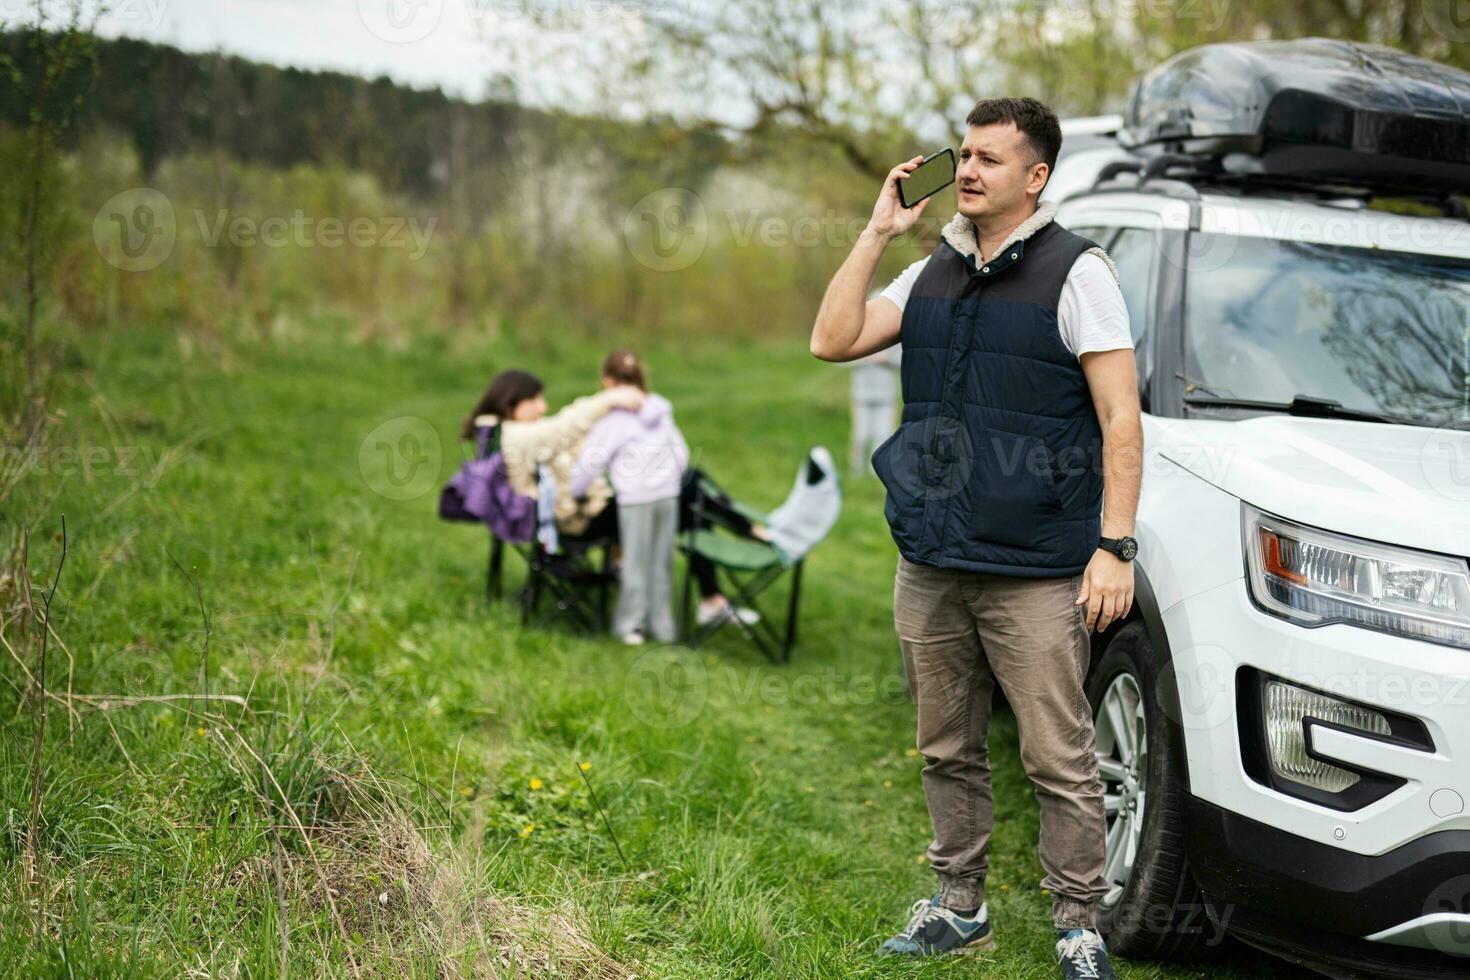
x=586, y=766
x=911, y=753
x=535, y=783
x=923, y=858
x=201, y=732
x=526, y=830
x=467, y=792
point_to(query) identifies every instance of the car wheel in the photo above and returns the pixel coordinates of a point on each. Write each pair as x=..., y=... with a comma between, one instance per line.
x=1153, y=908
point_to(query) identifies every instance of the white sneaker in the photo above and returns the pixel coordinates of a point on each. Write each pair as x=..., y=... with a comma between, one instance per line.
x=633, y=639
x=724, y=613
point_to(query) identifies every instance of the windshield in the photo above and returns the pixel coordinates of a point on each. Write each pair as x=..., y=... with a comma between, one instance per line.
x=1382, y=332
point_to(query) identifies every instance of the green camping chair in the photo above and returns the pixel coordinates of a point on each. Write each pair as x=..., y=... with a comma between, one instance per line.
x=746, y=567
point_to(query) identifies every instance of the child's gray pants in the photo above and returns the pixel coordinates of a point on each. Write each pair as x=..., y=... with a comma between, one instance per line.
x=646, y=594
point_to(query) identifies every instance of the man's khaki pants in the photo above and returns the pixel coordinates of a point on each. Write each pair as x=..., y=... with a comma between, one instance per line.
x=960, y=633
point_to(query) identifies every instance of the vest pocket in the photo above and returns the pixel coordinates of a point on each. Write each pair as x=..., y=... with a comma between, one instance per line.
x=899, y=463
x=1011, y=495
x=889, y=457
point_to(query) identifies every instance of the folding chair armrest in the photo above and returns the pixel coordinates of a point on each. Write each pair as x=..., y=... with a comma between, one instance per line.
x=717, y=516
x=750, y=513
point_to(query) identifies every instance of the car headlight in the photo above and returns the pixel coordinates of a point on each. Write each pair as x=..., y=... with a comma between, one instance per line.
x=1314, y=577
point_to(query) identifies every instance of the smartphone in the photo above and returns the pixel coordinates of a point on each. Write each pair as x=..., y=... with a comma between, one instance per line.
x=933, y=175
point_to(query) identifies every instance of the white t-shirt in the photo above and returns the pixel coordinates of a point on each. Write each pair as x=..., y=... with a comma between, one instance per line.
x=1090, y=312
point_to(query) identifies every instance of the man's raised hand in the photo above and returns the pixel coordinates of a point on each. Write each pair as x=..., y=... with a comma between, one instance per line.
x=890, y=218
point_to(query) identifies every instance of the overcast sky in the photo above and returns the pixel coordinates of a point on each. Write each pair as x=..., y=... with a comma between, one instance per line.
x=421, y=42
x=457, y=45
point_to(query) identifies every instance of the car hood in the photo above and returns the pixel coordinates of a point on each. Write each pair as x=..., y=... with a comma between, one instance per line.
x=1398, y=484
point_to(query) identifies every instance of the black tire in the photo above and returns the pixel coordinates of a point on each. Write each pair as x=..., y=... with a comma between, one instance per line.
x=1160, y=914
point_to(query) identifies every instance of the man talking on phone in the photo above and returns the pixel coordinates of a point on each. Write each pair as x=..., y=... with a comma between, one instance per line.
x=1012, y=485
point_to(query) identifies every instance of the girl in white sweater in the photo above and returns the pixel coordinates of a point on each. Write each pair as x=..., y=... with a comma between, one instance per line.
x=530, y=438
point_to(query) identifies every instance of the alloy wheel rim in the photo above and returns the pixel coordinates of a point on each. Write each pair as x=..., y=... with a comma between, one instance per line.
x=1122, y=761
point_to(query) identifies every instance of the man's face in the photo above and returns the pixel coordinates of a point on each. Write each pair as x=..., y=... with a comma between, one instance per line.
x=997, y=168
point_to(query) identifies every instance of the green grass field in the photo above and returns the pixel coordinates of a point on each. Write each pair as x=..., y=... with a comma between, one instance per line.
x=396, y=785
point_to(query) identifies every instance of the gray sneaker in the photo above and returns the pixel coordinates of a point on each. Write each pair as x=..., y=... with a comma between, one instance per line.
x=1082, y=955
x=934, y=930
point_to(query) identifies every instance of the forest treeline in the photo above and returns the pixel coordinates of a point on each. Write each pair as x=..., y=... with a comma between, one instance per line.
x=171, y=103
x=486, y=213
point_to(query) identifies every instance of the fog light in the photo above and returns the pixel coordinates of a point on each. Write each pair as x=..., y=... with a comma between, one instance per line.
x=1287, y=708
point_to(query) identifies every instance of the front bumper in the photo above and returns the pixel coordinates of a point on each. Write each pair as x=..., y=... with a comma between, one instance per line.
x=1390, y=878
x=1310, y=902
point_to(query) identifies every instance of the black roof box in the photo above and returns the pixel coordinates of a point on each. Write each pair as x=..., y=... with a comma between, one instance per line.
x=1332, y=114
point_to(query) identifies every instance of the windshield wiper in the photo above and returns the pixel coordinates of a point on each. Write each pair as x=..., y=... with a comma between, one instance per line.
x=1305, y=406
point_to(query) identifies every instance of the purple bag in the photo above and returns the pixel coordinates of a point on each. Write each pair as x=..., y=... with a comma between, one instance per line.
x=481, y=491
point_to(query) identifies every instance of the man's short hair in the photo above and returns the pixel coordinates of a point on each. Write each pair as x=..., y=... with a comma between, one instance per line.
x=1034, y=119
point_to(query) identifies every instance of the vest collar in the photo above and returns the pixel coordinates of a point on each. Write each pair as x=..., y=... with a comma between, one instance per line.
x=961, y=236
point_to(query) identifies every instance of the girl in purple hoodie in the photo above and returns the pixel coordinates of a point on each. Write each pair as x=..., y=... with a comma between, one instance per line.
x=644, y=455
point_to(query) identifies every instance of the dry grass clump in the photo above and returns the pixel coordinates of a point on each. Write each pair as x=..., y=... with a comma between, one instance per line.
x=485, y=936
x=396, y=900
x=513, y=938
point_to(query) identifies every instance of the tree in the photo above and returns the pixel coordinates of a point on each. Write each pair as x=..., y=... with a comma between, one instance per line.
x=53, y=77
x=880, y=80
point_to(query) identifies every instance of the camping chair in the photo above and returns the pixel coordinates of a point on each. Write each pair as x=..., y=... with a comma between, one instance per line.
x=574, y=573
x=748, y=566
x=576, y=577
x=452, y=508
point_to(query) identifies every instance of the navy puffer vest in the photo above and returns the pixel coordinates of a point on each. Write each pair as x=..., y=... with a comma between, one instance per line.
x=997, y=465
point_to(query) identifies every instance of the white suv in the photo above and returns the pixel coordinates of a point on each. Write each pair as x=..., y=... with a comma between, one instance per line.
x=1284, y=722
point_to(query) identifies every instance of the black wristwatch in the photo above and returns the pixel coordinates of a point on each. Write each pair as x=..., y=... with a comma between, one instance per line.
x=1125, y=547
